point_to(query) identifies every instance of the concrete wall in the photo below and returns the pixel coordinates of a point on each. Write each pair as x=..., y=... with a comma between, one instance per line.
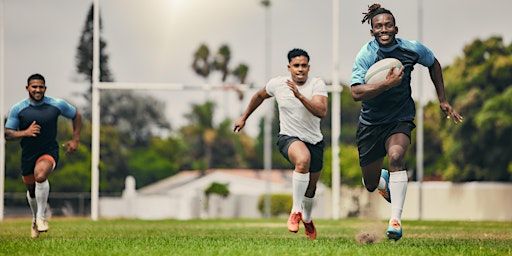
x=189, y=206
x=441, y=201
x=450, y=201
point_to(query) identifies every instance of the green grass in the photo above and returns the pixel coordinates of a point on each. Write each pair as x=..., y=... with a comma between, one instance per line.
x=251, y=237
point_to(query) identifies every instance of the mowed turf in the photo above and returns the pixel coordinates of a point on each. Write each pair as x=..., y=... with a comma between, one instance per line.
x=251, y=237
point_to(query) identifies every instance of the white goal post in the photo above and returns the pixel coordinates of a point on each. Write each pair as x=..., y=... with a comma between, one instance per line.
x=97, y=86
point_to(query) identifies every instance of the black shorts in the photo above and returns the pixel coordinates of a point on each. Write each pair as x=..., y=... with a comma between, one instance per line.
x=315, y=150
x=29, y=163
x=371, y=139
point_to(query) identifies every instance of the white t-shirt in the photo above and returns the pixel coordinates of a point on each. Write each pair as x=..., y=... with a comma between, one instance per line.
x=295, y=119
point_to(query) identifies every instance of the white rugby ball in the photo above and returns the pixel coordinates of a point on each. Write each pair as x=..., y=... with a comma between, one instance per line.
x=378, y=71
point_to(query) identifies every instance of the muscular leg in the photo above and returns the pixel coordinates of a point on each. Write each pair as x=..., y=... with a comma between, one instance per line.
x=396, y=147
x=371, y=174
x=300, y=157
x=43, y=168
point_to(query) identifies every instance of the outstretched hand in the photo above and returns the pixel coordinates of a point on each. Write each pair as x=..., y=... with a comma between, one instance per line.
x=239, y=125
x=450, y=112
x=71, y=146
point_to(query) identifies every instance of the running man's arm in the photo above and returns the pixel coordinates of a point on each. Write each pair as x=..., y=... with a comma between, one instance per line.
x=32, y=131
x=72, y=144
x=255, y=102
x=436, y=74
x=369, y=91
x=317, y=105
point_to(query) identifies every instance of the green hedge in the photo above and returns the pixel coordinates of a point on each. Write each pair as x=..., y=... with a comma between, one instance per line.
x=279, y=204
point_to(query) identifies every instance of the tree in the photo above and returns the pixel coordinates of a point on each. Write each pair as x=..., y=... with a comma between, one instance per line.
x=83, y=55
x=160, y=159
x=221, y=61
x=478, y=149
x=201, y=61
x=137, y=116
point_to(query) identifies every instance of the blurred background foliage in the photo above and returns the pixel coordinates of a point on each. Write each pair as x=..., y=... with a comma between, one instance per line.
x=478, y=84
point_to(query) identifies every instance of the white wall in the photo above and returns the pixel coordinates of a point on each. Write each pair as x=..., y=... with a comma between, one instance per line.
x=441, y=201
x=451, y=201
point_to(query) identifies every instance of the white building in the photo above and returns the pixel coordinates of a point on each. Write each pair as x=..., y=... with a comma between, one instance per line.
x=182, y=196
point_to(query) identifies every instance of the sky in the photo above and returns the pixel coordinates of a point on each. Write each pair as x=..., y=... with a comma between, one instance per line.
x=152, y=41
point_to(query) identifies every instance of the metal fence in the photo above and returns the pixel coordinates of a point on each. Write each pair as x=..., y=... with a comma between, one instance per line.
x=59, y=204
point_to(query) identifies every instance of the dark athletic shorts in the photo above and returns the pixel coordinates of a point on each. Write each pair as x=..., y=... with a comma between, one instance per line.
x=29, y=163
x=315, y=150
x=371, y=139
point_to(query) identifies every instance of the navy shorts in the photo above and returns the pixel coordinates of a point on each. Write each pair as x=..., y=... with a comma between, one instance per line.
x=315, y=150
x=371, y=139
x=29, y=163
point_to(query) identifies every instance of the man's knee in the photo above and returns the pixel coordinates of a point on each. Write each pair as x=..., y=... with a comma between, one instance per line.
x=302, y=164
x=41, y=174
x=396, y=159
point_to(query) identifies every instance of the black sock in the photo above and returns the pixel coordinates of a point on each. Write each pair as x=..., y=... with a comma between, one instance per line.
x=31, y=190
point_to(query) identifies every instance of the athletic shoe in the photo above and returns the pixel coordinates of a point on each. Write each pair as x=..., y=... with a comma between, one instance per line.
x=385, y=192
x=293, y=221
x=34, y=233
x=310, y=230
x=42, y=225
x=394, y=230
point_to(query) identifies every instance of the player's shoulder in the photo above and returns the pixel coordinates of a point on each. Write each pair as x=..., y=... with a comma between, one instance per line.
x=19, y=106
x=278, y=79
x=53, y=101
x=370, y=47
x=410, y=44
x=368, y=51
x=317, y=81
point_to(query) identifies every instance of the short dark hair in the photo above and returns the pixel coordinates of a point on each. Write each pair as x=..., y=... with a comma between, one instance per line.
x=35, y=77
x=374, y=10
x=296, y=52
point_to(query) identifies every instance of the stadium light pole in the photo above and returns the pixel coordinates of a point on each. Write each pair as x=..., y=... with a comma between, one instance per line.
x=2, y=102
x=335, y=110
x=95, y=143
x=267, y=125
x=419, y=134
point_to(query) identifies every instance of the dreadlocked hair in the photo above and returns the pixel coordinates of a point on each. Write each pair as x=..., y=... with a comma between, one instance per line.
x=374, y=10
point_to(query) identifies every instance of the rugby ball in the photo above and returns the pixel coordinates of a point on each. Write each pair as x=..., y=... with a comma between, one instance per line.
x=378, y=71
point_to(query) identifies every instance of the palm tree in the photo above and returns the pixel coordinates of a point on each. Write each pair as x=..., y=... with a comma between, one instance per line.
x=221, y=61
x=201, y=63
x=240, y=72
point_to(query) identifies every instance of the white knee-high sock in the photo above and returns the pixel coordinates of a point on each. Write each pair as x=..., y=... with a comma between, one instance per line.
x=300, y=183
x=398, y=189
x=42, y=191
x=33, y=205
x=307, y=206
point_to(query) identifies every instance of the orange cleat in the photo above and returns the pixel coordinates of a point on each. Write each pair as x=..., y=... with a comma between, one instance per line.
x=293, y=221
x=310, y=230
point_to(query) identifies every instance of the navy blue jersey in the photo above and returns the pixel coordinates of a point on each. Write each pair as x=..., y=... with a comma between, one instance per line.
x=45, y=113
x=395, y=104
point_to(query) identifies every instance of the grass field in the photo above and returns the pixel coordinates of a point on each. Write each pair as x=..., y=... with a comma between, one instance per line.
x=251, y=237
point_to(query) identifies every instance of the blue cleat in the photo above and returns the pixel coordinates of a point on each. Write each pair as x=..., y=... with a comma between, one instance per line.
x=385, y=192
x=394, y=231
